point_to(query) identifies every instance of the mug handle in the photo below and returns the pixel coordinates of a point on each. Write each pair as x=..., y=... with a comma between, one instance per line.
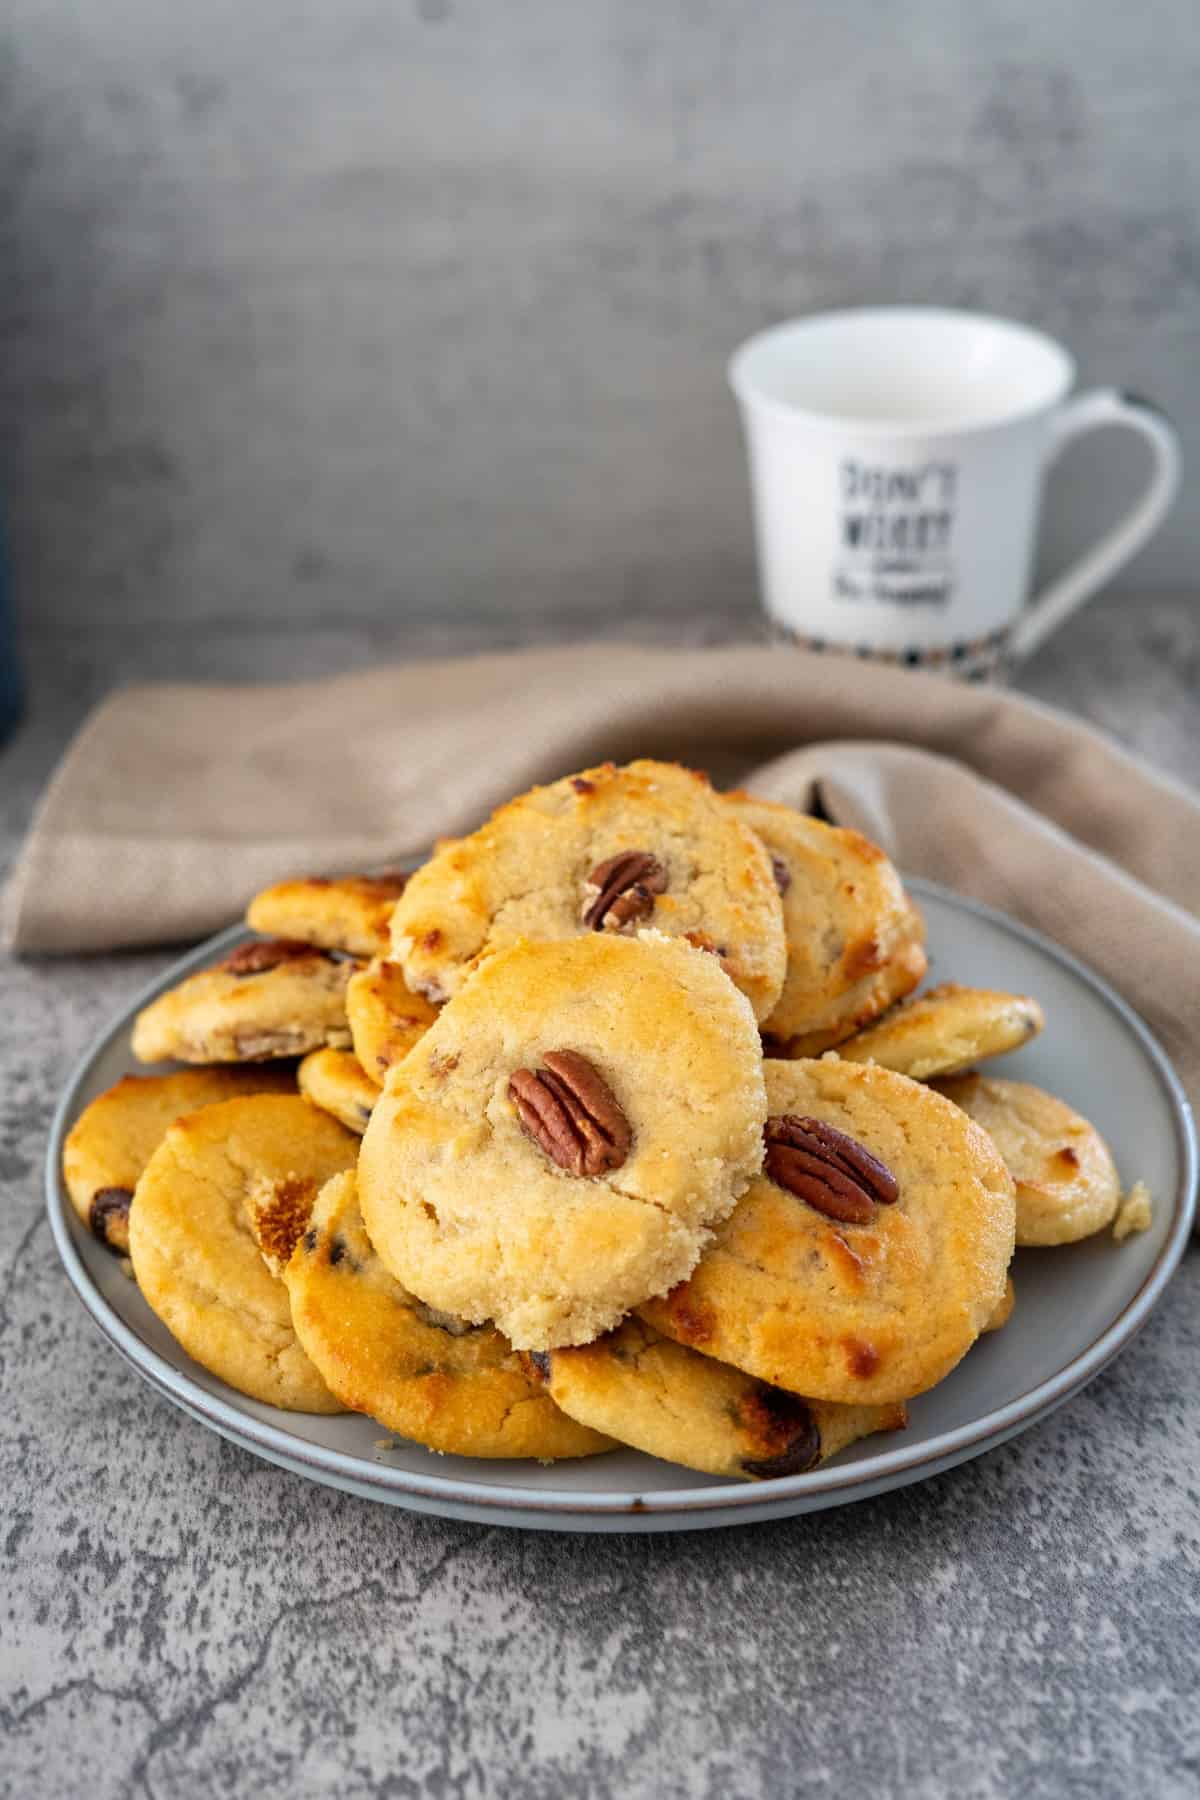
x=1087, y=412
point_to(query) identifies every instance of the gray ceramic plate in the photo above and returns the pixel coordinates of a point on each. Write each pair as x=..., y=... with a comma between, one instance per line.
x=1076, y=1307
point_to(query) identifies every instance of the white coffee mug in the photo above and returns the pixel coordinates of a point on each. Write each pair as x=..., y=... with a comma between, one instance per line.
x=897, y=457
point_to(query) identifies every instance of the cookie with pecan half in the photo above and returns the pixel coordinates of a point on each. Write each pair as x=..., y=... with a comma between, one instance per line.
x=270, y=997
x=335, y=1081
x=115, y=1136
x=604, y=853
x=557, y=1145
x=452, y=1386
x=855, y=941
x=946, y=1029
x=194, y=1256
x=1067, y=1182
x=865, y=1261
x=663, y=1398
x=335, y=912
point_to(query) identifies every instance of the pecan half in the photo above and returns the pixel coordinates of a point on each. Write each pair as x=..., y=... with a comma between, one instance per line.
x=570, y=1112
x=622, y=890
x=108, y=1216
x=260, y=954
x=835, y=1173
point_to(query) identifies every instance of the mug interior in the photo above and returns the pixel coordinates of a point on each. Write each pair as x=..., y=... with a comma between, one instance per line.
x=890, y=367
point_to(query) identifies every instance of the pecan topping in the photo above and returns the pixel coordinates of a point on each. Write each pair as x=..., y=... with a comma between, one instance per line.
x=623, y=889
x=260, y=954
x=569, y=1111
x=108, y=1216
x=834, y=1173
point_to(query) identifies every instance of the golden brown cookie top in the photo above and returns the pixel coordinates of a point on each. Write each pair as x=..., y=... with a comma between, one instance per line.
x=1067, y=1183
x=454, y=1387
x=948, y=1028
x=606, y=852
x=337, y=912
x=335, y=1081
x=855, y=942
x=194, y=1255
x=267, y=998
x=556, y=1145
x=386, y=1016
x=668, y=1401
x=115, y=1136
x=820, y=1281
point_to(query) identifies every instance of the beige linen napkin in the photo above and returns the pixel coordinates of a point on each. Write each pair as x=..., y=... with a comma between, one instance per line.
x=176, y=803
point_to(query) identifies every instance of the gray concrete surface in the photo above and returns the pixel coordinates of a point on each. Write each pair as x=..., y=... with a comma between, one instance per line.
x=181, y=1622
x=349, y=312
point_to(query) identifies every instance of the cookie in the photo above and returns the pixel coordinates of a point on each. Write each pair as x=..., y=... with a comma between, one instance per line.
x=116, y=1135
x=556, y=1146
x=1066, y=1180
x=672, y=1403
x=336, y=912
x=607, y=852
x=855, y=941
x=268, y=998
x=452, y=1386
x=865, y=1261
x=386, y=1016
x=1004, y=1311
x=334, y=1081
x=947, y=1029
x=195, y=1258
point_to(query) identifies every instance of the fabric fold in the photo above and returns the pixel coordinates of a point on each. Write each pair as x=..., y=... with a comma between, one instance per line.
x=175, y=803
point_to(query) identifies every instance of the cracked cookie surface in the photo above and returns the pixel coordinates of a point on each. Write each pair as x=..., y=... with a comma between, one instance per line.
x=335, y=1081
x=611, y=850
x=855, y=941
x=115, y=1136
x=945, y=1030
x=267, y=999
x=873, y=1311
x=194, y=1254
x=335, y=912
x=671, y=1402
x=454, y=1387
x=1067, y=1183
x=386, y=1016
x=479, y=1218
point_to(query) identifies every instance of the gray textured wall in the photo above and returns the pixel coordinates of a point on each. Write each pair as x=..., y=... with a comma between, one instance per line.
x=328, y=310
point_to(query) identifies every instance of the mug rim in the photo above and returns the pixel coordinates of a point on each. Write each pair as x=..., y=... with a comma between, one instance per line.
x=751, y=394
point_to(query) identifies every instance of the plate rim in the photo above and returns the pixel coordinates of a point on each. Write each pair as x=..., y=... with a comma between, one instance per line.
x=831, y=1483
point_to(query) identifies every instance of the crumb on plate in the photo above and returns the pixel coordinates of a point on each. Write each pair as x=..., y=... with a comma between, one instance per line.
x=1134, y=1213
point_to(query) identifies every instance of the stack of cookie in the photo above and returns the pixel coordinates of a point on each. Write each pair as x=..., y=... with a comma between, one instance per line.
x=616, y=1122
